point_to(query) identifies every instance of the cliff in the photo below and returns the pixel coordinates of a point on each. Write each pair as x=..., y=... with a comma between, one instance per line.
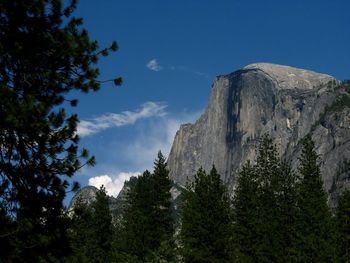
x=285, y=102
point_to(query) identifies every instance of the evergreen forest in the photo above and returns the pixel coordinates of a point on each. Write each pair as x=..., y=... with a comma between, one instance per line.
x=274, y=214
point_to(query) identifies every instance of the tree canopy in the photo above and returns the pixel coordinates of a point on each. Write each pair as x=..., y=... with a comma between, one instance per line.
x=148, y=226
x=315, y=232
x=91, y=232
x=343, y=226
x=206, y=228
x=44, y=54
x=264, y=208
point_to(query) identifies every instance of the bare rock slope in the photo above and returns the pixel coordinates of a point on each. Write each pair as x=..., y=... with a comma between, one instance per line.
x=285, y=102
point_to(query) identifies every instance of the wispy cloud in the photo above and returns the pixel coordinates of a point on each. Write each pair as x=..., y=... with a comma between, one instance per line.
x=158, y=135
x=136, y=153
x=189, y=70
x=154, y=65
x=109, y=120
x=112, y=183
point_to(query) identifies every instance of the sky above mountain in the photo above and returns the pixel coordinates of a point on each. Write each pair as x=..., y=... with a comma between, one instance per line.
x=171, y=51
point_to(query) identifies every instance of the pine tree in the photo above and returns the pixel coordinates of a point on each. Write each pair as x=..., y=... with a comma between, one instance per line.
x=206, y=225
x=286, y=204
x=163, y=210
x=81, y=233
x=245, y=203
x=264, y=209
x=92, y=230
x=44, y=54
x=137, y=226
x=6, y=242
x=148, y=225
x=267, y=170
x=314, y=223
x=103, y=228
x=343, y=227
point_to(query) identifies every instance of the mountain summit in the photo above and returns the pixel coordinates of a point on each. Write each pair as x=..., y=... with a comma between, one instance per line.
x=287, y=77
x=287, y=103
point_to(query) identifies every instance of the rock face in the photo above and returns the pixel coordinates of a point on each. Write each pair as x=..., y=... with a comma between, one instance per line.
x=285, y=102
x=87, y=194
x=117, y=205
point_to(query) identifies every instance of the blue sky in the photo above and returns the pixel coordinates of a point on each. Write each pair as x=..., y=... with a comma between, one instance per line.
x=170, y=52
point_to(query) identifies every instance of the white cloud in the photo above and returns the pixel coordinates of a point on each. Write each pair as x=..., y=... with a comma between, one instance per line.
x=159, y=135
x=154, y=65
x=103, y=122
x=190, y=70
x=139, y=153
x=113, y=184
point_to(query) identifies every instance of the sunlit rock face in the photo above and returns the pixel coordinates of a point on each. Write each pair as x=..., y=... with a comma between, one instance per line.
x=87, y=195
x=285, y=102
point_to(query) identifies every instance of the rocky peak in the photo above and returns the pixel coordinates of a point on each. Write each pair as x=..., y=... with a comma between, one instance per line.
x=291, y=78
x=285, y=102
x=85, y=195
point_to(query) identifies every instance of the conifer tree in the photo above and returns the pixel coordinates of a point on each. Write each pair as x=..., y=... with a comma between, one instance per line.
x=7, y=245
x=245, y=214
x=102, y=228
x=267, y=169
x=44, y=54
x=206, y=225
x=264, y=209
x=81, y=233
x=137, y=225
x=343, y=227
x=92, y=230
x=163, y=210
x=148, y=226
x=286, y=204
x=314, y=223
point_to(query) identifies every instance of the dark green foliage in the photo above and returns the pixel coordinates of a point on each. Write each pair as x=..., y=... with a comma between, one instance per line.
x=162, y=216
x=344, y=85
x=342, y=101
x=137, y=224
x=92, y=231
x=286, y=198
x=44, y=54
x=264, y=209
x=147, y=227
x=206, y=220
x=245, y=204
x=103, y=228
x=81, y=232
x=267, y=170
x=314, y=223
x=7, y=245
x=343, y=227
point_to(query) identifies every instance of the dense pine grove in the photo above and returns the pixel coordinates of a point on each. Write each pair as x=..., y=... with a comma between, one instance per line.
x=275, y=214
x=146, y=231
x=206, y=228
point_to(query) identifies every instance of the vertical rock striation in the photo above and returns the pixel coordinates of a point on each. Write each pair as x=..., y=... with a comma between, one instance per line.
x=285, y=102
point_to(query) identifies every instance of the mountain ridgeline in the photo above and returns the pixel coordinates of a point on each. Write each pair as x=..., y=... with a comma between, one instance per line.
x=285, y=102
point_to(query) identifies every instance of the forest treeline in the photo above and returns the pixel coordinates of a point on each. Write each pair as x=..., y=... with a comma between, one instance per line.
x=275, y=214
